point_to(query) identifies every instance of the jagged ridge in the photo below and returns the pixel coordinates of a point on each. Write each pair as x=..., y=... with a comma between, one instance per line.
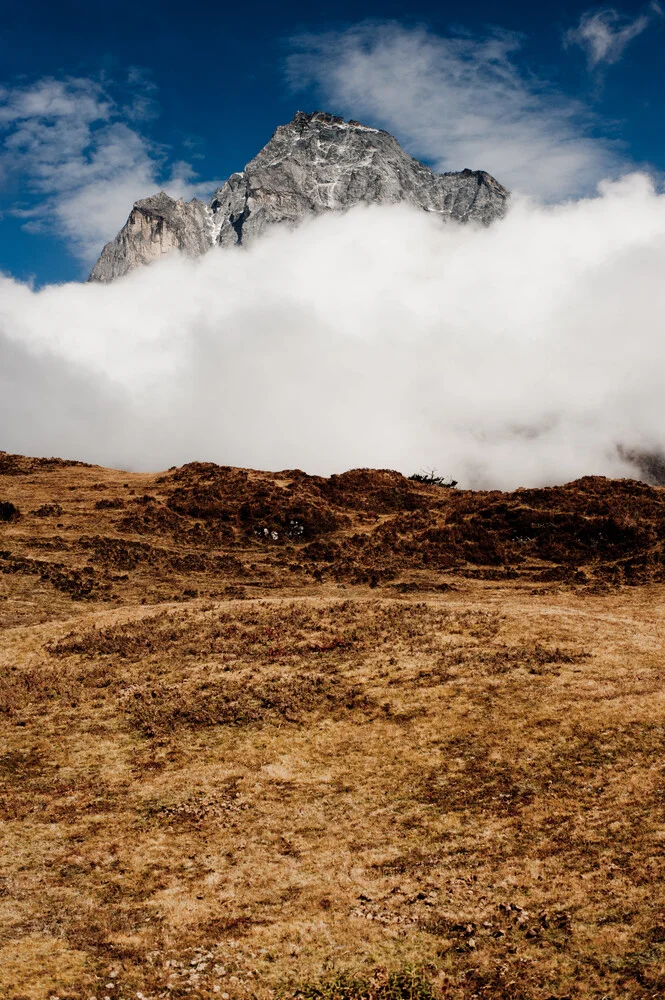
x=316, y=163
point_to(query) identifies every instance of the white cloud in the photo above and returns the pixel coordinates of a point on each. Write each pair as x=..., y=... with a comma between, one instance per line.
x=459, y=102
x=604, y=34
x=83, y=159
x=516, y=355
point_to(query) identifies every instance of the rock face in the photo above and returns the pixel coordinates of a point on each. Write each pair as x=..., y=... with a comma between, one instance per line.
x=317, y=163
x=156, y=226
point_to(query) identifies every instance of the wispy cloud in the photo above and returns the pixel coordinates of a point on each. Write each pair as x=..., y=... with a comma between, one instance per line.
x=459, y=102
x=604, y=34
x=81, y=157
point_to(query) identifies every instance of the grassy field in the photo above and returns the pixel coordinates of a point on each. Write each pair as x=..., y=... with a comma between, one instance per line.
x=329, y=763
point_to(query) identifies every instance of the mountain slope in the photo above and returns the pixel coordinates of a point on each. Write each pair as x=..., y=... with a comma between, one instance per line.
x=316, y=163
x=263, y=729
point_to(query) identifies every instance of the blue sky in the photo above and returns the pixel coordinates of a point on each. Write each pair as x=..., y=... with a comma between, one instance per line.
x=102, y=104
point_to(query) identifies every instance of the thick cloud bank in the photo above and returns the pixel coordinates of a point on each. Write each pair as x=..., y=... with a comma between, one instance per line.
x=517, y=355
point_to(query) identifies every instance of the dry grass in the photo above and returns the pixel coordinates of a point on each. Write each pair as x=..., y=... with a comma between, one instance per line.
x=453, y=788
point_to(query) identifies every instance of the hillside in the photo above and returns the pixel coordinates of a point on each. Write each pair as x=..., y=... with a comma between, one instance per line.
x=271, y=733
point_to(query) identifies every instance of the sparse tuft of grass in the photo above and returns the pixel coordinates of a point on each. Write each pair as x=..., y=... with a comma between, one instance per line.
x=238, y=700
x=407, y=983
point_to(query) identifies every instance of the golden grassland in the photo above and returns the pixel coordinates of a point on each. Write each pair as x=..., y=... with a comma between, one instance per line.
x=230, y=769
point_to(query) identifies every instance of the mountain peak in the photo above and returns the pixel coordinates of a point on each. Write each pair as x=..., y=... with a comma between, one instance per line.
x=315, y=163
x=322, y=118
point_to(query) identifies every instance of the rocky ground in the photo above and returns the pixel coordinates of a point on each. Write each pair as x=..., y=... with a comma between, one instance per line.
x=266, y=734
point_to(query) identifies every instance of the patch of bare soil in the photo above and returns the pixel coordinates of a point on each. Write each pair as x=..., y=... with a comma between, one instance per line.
x=275, y=735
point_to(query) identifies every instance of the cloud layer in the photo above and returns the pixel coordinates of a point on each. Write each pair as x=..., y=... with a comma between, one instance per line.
x=83, y=158
x=459, y=102
x=515, y=355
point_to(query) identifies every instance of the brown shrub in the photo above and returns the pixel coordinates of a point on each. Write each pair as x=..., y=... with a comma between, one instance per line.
x=8, y=512
x=237, y=700
x=496, y=660
x=33, y=686
x=81, y=584
x=109, y=503
x=47, y=510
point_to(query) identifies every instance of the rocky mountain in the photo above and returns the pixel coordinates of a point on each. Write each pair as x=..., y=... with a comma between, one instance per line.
x=316, y=163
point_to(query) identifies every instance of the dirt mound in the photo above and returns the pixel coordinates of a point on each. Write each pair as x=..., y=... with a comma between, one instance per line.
x=210, y=530
x=256, y=503
x=379, y=491
x=371, y=526
x=613, y=530
x=291, y=503
x=592, y=521
x=21, y=465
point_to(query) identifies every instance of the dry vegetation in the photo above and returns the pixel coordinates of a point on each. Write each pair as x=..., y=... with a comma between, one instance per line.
x=267, y=735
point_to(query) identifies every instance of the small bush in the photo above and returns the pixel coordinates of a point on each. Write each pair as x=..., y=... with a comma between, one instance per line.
x=110, y=503
x=48, y=510
x=431, y=479
x=8, y=512
x=404, y=984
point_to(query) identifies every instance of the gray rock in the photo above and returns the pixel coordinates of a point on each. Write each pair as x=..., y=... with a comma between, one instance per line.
x=156, y=226
x=317, y=163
